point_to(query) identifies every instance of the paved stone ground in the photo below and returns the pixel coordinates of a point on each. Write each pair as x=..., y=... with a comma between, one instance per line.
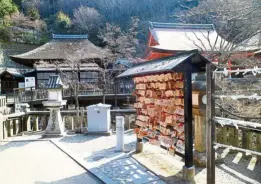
x=102, y=159
x=39, y=162
x=98, y=155
x=169, y=168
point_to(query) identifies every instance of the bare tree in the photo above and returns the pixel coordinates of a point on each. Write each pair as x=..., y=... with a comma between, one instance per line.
x=238, y=25
x=122, y=45
x=87, y=19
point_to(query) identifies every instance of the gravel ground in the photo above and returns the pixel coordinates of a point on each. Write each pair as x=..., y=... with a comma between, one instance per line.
x=169, y=168
x=39, y=162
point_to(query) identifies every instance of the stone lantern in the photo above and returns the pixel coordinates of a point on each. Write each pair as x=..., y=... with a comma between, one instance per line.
x=55, y=127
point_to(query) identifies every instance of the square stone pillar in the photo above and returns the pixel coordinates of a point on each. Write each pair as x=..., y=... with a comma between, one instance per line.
x=28, y=123
x=36, y=123
x=10, y=128
x=5, y=129
x=1, y=128
x=16, y=126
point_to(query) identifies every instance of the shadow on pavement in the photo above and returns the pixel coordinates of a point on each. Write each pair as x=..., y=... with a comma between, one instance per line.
x=79, y=138
x=8, y=145
x=79, y=179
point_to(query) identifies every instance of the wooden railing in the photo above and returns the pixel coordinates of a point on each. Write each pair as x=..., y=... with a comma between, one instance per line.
x=29, y=94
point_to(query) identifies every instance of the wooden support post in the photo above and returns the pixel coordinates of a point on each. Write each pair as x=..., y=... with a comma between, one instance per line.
x=188, y=120
x=189, y=169
x=210, y=125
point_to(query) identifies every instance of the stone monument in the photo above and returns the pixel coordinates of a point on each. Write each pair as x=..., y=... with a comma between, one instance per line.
x=55, y=127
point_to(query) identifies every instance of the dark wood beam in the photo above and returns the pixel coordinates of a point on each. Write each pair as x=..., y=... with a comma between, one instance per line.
x=210, y=126
x=188, y=118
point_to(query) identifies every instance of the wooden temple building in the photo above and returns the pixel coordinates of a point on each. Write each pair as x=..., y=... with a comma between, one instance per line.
x=67, y=55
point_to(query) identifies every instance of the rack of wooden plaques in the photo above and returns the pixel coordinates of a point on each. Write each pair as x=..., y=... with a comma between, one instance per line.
x=160, y=109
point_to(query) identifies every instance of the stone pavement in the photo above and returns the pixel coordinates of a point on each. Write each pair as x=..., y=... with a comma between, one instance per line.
x=98, y=155
x=39, y=162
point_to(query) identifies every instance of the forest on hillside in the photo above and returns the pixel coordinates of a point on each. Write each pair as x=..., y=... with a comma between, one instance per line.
x=84, y=17
x=33, y=21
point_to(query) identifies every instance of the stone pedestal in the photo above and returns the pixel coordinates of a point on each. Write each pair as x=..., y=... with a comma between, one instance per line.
x=55, y=127
x=200, y=141
x=189, y=173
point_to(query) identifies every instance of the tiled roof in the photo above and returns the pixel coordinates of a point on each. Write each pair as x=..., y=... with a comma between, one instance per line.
x=168, y=64
x=181, y=26
x=54, y=82
x=61, y=48
x=186, y=37
x=62, y=36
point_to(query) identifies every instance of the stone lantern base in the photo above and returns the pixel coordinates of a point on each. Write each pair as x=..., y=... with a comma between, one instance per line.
x=55, y=127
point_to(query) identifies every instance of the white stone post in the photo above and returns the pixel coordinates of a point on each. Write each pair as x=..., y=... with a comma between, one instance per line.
x=120, y=133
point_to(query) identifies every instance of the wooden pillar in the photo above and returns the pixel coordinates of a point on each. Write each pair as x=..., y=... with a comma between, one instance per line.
x=188, y=120
x=210, y=125
x=200, y=133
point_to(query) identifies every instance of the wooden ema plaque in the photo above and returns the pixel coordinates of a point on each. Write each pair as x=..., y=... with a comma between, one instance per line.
x=160, y=109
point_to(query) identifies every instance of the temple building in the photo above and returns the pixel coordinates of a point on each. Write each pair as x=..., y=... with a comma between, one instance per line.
x=73, y=57
x=166, y=39
x=62, y=53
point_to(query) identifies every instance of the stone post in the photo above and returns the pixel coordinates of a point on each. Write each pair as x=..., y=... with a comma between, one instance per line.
x=5, y=129
x=72, y=122
x=1, y=127
x=36, y=123
x=16, y=126
x=120, y=133
x=28, y=123
x=10, y=128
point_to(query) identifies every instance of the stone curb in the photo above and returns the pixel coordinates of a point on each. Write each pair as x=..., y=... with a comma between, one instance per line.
x=94, y=171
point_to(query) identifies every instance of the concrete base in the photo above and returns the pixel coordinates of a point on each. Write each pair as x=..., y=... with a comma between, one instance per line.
x=52, y=135
x=100, y=133
x=139, y=147
x=189, y=173
x=200, y=159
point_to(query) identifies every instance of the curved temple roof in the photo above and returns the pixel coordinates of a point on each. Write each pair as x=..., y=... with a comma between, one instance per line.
x=62, y=47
